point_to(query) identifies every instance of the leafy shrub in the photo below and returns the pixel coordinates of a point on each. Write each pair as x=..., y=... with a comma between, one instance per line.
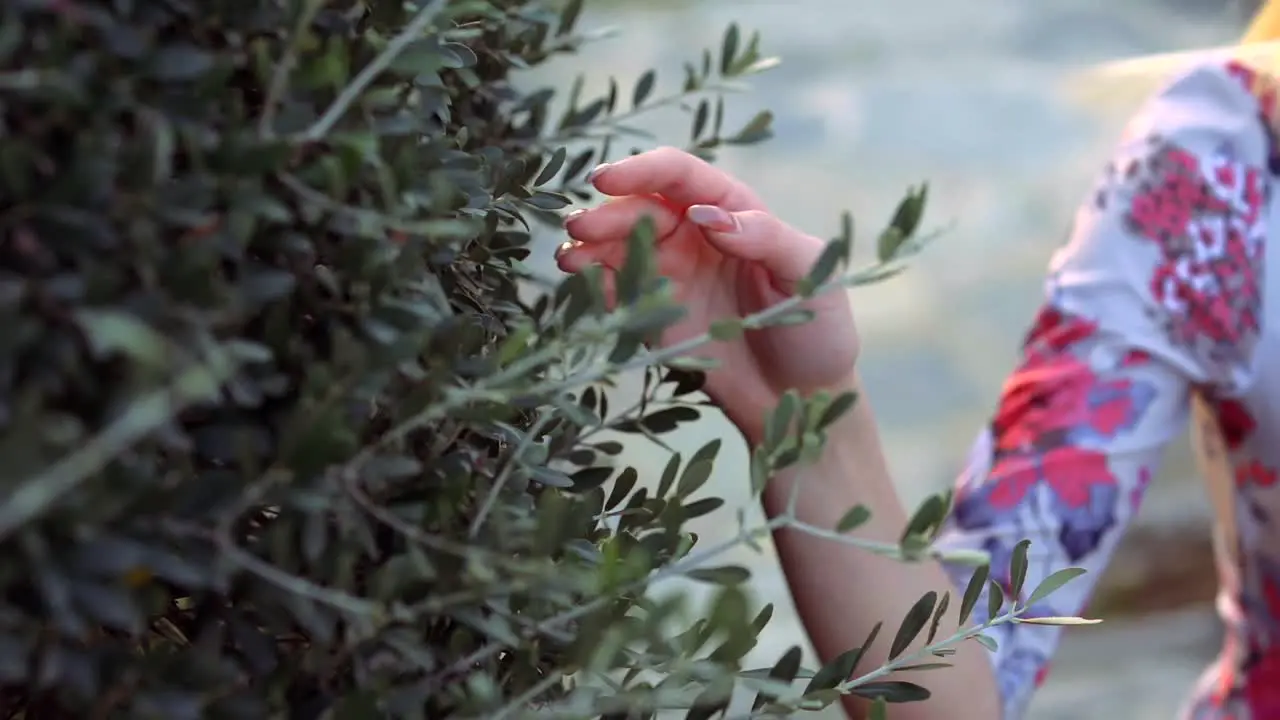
x=282, y=434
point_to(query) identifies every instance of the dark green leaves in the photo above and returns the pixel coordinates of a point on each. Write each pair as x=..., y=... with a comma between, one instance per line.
x=839, y=669
x=695, y=475
x=995, y=599
x=1052, y=583
x=553, y=166
x=590, y=478
x=973, y=591
x=893, y=691
x=856, y=516
x=724, y=575
x=644, y=88
x=638, y=271
x=832, y=259
x=291, y=410
x=903, y=226
x=1018, y=568
x=916, y=619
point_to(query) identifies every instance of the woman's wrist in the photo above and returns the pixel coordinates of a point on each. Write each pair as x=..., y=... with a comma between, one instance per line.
x=850, y=470
x=751, y=417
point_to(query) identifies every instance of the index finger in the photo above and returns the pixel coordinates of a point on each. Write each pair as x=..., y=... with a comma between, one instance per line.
x=679, y=177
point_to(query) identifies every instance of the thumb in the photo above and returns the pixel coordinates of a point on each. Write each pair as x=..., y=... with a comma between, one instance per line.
x=758, y=236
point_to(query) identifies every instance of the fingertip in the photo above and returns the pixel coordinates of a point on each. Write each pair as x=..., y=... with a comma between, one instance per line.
x=710, y=217
x=572, y=260
x=593, y=177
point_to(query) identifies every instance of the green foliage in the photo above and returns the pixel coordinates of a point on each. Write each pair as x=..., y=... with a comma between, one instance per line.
x=283, y=436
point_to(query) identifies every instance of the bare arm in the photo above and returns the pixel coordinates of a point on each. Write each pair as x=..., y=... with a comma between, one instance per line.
x=838, y=613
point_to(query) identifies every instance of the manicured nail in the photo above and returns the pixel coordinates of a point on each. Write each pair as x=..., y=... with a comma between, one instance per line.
x=596, y=172
x=712, y=218
x=565, y=247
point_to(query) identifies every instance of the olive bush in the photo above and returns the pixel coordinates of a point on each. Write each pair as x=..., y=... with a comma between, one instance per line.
x=283, y=435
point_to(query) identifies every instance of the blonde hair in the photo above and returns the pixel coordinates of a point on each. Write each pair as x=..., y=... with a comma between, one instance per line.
x=1265, y=25
x=1115, y=89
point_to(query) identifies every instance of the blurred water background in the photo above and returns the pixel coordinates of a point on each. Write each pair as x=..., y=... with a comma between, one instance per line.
x=873, y=96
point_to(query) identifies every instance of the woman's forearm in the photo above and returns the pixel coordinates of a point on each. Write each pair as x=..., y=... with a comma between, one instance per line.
x=841, y=592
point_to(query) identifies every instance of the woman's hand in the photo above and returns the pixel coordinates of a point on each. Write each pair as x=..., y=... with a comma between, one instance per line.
x=727, y=257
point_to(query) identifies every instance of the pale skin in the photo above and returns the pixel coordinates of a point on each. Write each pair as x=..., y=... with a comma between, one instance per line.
x=728, y=256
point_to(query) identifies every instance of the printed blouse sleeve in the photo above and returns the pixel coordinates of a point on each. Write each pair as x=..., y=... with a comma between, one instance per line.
x=1157, y=291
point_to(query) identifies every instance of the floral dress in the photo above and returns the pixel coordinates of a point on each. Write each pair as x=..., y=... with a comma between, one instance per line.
x=1156, y=312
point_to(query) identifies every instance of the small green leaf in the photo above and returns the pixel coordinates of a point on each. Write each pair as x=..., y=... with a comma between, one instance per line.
x=1052, y=583
x=1018, y=569
x=973, y=592
x=937, y=617
x=788, y=666
x=796, y=316
x=832, y=257
x=725, y=330
x=759, y=472
x=723, y=575
x=839, y=669
x=987, y=642
x=836, y=410
x=854, y=517
x=644, y=88
x=637, y=271
x=705, y=506
x=834, y=672
x=547, y=200
x=569, y=17
x=914, y=621
x=888, y=244
x=590, y=478
x=995, y=599
x=552, y=167
x=758, y=129
x=707, y=452
x=906, y=218
x=927, y=518
x=621, y=487
x=669, y=475
x=762, y=618
x=879, y=710
x=700, y=117
x=729, y=48
x=894, y=691
x=695, y=475
x=779, y=422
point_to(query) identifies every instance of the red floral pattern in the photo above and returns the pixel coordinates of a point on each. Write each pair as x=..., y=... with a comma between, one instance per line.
x=1206, y=216
x=1160, y=289
x=1050, y=430
x=1236, y=422
x=1254, y=473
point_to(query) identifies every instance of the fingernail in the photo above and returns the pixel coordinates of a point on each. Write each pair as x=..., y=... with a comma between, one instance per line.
x=596, y=172
x=574, y=215
x=565, y=247
x=712, y=218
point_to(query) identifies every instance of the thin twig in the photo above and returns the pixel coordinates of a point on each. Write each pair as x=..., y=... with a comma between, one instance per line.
x=284, y=66
x=501, y=480
x=353, y=90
